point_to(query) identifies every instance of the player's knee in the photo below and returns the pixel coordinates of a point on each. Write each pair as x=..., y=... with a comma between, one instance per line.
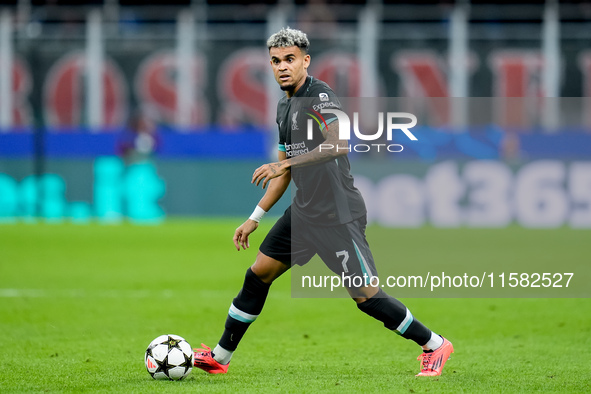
x=268, y=269
x=362, y=294
x=263, y=273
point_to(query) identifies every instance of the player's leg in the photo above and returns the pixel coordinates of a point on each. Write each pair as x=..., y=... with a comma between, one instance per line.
x=371, y=299
x=244, y=310
x=378, y=304
x=248, y=304
x=397, y=317
x=272, y=261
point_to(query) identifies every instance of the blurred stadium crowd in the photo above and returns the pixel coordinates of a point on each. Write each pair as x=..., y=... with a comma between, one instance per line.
x=184, y=82
x=189, y=64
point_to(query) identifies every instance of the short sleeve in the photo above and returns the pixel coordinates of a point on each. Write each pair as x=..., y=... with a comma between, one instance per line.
x=322, y=97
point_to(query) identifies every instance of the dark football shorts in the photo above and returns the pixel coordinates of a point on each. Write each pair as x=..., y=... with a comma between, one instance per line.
x=343, y=248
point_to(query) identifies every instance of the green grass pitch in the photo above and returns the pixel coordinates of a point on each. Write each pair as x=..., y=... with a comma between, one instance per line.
x=79, y=305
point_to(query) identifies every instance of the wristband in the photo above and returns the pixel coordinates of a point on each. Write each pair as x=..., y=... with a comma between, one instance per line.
x=258, y=214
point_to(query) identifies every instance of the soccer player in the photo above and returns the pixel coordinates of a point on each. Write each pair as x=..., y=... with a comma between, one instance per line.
x=327, y=216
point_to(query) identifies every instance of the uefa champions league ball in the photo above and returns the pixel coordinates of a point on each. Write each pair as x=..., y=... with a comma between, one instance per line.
x=169, y=357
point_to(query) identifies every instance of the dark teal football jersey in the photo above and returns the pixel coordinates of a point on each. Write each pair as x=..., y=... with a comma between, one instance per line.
x=325, y=192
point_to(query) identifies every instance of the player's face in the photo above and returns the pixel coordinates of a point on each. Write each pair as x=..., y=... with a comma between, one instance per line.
x=290, y=66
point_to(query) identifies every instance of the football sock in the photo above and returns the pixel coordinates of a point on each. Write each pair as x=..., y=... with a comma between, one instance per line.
x=396, y=317
x=244, y=310
x=435, y=342
x=221, y=355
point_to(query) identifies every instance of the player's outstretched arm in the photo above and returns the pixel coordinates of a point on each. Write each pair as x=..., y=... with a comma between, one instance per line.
x=331, y=148
x=276, y=189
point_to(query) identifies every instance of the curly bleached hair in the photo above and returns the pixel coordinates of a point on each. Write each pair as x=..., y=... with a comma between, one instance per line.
x=288, y=37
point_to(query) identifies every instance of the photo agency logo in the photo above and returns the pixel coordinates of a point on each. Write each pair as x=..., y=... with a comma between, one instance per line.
x=392, y=120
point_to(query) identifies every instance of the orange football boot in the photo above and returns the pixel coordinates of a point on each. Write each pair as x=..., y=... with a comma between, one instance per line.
x=432, y=363
x=205, y=361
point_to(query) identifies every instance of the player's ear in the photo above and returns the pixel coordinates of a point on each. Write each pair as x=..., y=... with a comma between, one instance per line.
x=307, y=61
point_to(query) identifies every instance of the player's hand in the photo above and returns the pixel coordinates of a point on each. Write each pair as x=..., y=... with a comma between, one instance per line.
x=241, y=234
x=269, y=171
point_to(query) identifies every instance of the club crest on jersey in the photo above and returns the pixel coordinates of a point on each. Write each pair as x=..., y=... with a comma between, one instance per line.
x=294, y=121
x=323, y=96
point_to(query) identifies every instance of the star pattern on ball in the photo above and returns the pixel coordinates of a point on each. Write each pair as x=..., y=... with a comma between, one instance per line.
x=188, y=363
x=172, y=343
x=162, y=366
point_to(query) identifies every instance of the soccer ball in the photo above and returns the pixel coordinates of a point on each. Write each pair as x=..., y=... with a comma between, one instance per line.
x=169, y=357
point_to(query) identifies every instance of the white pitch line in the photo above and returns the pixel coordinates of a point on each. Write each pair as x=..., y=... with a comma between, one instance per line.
x=106, y=293
x=128, y=294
